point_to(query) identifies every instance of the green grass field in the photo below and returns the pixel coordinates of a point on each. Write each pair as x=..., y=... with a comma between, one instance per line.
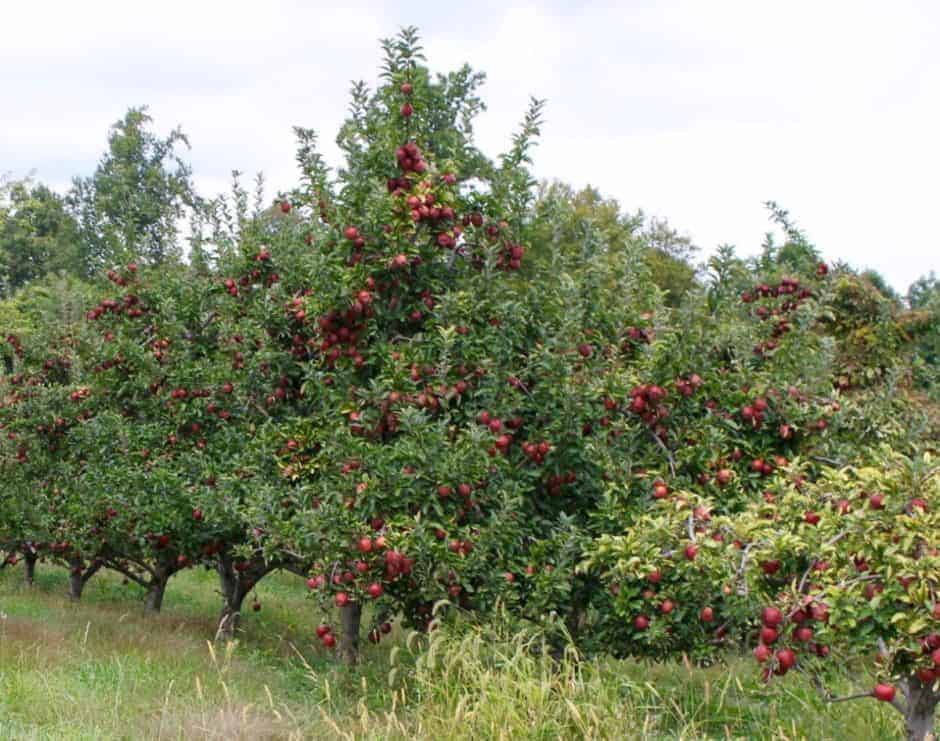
x=102, y=670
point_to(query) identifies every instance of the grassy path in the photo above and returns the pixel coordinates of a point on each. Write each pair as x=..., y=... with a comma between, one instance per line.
x=101, y=670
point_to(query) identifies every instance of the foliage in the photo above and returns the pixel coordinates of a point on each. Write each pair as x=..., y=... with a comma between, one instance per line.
x=37, y=235
x=130, y=208
x=424, y=380
x=810, y=573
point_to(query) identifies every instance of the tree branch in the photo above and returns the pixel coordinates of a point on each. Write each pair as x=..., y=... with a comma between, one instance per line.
x=114, y=566
x=846, y=698
x=828, y=697
x=90, y=572
x=662, y=445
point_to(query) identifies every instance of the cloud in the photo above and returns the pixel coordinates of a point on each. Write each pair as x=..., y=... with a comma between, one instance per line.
x=694, y=111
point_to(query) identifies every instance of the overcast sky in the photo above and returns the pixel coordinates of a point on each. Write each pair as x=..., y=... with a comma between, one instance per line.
x=694, y=111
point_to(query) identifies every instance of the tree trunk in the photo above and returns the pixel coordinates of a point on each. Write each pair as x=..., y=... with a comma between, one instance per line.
x=234, y=590
x=919, y=710
x=29, y=562
x=76, y=583
x=155, y=590
x=350, y=618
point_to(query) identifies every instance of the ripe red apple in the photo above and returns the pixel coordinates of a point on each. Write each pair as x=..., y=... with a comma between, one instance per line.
x=883, y=692
x=641, y=622
x=803, y=634
x=375, y=590
x=406, y=88
x=406, y=110
x=927, y=676
x=770, y=567
x=724, y=476
x=365, y=545
x=691, y=551
x=768, y=635
x=341, y=599
x=917, y=503
x=811, y=518
x=197, y=515
x=876, y=501
x=786, y=659
x=329, y=640
x=707, y=614
x=771, y=617
x=655, y=577
x=761, y=653
x=285, y=207
x=667, y=606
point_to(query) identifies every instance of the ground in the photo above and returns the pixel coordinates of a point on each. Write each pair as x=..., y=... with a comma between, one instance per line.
x=102, y=670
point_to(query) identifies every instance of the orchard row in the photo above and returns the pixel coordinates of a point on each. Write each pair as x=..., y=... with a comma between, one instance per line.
x=422, y=380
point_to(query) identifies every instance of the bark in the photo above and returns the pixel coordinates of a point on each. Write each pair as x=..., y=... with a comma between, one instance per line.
x=29, y=563
x=350, y=618
x=156, y=588
x=76, y=583
x=919, y=709
x=234, y=591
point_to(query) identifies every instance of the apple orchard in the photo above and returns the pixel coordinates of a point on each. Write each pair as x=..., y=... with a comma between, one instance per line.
x=427, y=384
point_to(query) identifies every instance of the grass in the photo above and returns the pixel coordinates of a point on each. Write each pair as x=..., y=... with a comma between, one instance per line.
x=101, y=670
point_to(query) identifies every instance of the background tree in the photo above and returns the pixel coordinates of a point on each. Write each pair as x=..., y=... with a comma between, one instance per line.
x=37, y=235
x=130, y=208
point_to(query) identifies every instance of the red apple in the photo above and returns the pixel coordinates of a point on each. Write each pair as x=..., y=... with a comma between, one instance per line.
x=771, y=617
x=883, y=692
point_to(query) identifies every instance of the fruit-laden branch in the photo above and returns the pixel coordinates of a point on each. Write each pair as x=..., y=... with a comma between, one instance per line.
x=827, y=695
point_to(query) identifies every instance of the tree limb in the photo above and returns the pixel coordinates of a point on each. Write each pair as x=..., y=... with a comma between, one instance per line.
x=662, y=445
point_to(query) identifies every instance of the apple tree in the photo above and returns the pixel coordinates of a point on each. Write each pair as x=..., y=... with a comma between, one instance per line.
x=813, y=574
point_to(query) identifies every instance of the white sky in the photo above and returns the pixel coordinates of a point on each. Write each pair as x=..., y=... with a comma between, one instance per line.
x=695, y=111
